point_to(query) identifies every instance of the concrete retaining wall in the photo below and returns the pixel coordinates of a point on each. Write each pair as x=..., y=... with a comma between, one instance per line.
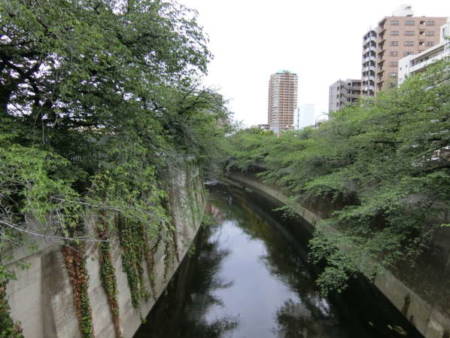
x=426, y=314
x=41, y=297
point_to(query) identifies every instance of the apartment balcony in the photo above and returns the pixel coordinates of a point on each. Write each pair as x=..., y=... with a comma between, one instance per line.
x=369, y=68
x=372, y=56
x=369, y=77
x=371, y=38
x=370, y=35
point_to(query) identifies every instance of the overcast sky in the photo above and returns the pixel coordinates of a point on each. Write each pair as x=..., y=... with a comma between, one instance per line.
x=319, y=40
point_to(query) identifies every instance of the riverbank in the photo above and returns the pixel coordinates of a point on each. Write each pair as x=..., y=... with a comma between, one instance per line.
x=428, y=317
x=42, y=295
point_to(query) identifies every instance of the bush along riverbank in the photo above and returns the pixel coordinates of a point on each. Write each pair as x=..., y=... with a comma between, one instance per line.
x=382, y=167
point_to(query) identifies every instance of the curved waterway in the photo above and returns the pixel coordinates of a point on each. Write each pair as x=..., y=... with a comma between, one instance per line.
x=247, y=276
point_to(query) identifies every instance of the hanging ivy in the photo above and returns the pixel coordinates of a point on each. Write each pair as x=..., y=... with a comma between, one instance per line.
x=150, y=261
x=167, y=258
x=131, y=237
x=8, y=328
x=76, y=266
x=108, y=277
x=172, y=231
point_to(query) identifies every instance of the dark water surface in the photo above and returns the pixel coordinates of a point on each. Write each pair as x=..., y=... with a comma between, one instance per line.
x=247, y=277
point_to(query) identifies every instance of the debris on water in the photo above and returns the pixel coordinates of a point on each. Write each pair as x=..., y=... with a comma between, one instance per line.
x=398, y=329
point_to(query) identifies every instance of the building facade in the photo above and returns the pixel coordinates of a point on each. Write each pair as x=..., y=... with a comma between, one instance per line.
x=283, y=88
x=343, y=93
x=395, y=37
x=412, y=64
x=369, y=63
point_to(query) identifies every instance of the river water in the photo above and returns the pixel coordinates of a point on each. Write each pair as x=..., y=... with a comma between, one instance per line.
x=247, y=276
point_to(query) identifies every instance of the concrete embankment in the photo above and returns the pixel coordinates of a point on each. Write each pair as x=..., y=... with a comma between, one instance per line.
x=424, y=304
x=41, y=297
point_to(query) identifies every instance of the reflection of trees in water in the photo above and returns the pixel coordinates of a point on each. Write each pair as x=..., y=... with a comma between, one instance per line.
x=181, y=311
x=294, y=320
x=309, y=317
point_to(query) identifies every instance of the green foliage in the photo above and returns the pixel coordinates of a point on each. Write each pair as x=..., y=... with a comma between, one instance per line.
x=8, y=329
x=108, y=274
x=131, y=236
x=75, y=261
x=97, y=99
x=381, y=166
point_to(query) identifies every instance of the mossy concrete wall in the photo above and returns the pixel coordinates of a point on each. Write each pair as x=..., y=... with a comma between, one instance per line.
x=41, y=297
x=427, y=313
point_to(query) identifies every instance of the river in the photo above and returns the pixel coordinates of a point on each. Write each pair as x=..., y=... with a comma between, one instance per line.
x=247, y=275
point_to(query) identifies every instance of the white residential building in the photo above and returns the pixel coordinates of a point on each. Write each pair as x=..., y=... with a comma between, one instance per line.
x=412, y=64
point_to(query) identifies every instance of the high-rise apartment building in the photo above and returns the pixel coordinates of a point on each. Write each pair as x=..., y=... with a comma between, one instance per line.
x=282, y=101
x=343, y=93
x=369, y=63
x=417, y=63
x=395, y=36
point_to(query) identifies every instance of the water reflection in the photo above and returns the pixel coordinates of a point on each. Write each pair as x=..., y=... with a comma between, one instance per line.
x=248, y=277
x=181, y=312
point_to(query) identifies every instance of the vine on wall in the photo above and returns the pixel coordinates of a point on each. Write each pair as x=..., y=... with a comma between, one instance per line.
x=167, y=258
x=76, y=266
x=131, y=235
x=150, y=261
x=8, y=328
x=172, y=231
x=108, y=278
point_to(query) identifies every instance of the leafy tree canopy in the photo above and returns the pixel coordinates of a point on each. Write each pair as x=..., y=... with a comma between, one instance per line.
x=384, y=166
x=97, y=99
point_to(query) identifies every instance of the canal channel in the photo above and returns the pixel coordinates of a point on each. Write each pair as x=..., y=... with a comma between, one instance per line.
x=247, y=275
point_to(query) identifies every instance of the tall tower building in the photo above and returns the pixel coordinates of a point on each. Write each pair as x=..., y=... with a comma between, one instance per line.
x=395, y=36
x=282, y=101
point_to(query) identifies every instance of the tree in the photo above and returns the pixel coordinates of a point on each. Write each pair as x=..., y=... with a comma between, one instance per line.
x=380, y=167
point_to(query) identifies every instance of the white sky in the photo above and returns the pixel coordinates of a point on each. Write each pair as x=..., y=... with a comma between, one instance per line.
x=319, y=40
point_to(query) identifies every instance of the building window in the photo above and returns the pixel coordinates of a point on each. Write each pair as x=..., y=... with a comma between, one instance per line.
x=393, y=74
x=429, y=23
x=394, y=43
x=430, y=43
x=395, y=22
x=410, y=23
x=393, y=64
x=395, y=33
x=408, y=52
x=429, y=33
x=393, y=53
x=408, y=43
x=410, y=33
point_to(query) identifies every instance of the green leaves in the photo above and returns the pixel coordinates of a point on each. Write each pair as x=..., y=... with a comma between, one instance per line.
x=381, y=166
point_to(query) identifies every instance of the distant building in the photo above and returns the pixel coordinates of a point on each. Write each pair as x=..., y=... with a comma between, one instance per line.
x=263, y=126
x=282, y=101
x=343, y=93
x=412, y=64
x=395, y=37
x=369, y=66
